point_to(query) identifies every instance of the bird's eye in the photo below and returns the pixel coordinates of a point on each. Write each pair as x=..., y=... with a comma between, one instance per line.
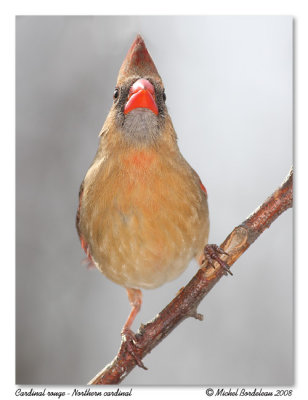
x=116, y=93
x=164, y=96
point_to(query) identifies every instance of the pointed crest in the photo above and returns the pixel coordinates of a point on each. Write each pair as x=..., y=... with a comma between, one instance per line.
x=138, y=62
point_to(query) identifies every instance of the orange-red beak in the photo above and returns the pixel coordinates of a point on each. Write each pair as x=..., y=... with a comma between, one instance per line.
x=141, y=95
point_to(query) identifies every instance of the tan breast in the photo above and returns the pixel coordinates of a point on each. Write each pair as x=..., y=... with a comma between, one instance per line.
x=143, y=216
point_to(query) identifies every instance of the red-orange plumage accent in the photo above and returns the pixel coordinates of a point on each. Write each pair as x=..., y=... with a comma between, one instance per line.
x=140, y=159
x=202, y=187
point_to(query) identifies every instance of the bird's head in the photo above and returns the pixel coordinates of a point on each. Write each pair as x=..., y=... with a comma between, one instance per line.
x=139, y=111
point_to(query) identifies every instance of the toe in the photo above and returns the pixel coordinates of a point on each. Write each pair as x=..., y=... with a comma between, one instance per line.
x=132, y=346
x=212, y=253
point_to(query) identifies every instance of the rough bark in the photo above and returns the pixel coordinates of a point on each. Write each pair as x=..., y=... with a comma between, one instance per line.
x=185, y=304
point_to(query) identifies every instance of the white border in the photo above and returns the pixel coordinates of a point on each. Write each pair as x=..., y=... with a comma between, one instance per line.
x=295, y=8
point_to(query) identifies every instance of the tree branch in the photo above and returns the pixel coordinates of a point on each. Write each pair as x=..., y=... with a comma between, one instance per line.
x=187, y=300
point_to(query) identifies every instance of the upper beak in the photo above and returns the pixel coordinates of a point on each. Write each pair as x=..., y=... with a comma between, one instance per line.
x=141, y=95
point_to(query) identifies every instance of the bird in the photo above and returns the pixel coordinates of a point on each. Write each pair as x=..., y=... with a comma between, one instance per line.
x=143, y=211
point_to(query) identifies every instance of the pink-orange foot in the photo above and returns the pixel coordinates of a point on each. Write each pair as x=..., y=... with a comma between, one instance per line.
x=212, y=253
x=128, y=336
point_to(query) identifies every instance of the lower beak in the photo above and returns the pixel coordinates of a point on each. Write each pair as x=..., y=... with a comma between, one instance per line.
x=141, y=95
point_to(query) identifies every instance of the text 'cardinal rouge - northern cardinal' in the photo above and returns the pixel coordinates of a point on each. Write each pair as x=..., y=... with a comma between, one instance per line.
x=143, y=212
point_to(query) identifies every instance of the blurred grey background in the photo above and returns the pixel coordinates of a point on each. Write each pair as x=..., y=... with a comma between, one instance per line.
x=229, y=92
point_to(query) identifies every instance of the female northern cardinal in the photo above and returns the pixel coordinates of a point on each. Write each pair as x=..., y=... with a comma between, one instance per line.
x=143, y=212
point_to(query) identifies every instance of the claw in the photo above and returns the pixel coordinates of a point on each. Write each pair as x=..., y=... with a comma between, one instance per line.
x=219, y=249
x=210, y=252
x=129, y=338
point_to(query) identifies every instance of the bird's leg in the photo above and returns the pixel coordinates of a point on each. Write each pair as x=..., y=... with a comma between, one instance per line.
x=212, y=252
x=135, y=300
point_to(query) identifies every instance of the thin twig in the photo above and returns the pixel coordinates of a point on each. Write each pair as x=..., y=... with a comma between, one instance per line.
x=185, y=304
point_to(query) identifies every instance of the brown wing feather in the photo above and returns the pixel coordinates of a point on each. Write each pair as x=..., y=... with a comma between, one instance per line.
x=84, y=244
x=200, y=182
x=78, y=210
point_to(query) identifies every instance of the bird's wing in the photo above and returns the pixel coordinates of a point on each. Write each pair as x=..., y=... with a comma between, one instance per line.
x=202, y=187
x=84, y=244
x=78, y=210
